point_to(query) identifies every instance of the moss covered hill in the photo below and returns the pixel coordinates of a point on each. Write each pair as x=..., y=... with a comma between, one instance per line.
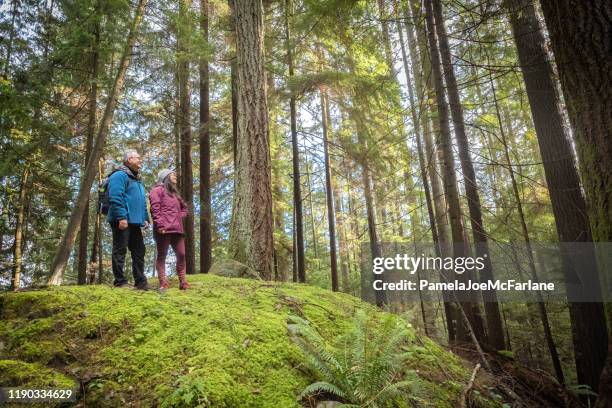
x=224, y=343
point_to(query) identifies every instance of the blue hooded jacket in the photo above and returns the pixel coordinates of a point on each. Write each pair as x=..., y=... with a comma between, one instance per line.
x=127, y=198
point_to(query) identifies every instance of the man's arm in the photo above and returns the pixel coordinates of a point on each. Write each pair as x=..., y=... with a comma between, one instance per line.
x=116, y=195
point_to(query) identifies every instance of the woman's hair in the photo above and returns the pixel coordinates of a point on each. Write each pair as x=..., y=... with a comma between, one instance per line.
x=171, y=188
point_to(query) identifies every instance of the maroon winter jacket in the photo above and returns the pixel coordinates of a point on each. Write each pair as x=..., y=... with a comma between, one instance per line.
x=167, y=211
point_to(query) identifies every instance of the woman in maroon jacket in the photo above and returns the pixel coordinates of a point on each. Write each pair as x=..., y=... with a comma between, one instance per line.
x=168, y=210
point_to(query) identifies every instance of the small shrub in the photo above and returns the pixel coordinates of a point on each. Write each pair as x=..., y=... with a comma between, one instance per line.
x=190, y=392
x=363, y=368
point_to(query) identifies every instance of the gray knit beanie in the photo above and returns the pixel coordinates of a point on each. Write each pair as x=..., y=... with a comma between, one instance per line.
x=161, y=176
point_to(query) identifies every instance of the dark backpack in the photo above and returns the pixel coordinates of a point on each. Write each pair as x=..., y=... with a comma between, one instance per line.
x=103, y=198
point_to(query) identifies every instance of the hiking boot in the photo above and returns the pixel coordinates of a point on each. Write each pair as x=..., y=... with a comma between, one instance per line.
x=124, y=285
x=184, y=286
x=144, y=287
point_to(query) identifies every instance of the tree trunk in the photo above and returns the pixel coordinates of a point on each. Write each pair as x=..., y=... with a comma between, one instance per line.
x=352, y=212
x=375, y=249
x=205, y=199
x=366, y=179
x=297, y=184
x=384, y=16
x=401, y=130
x=343, y=239
x=91, y=129
x=183, y=32
x=584, y=70
x=65, y=246
x=495, y=332
x=550, y=343
x=234, y=84
x=176, y=130
x=282, y=248
x=329, y=193
x=450, y=179
x=100, y=256
x=422, y=65
x=417, y=132
x=428, y=322
x=313, y=223
x=95, y=261
x=580, y=36
x=95, y=246
x=251, y=230
x=9, y=50
x=18, y=244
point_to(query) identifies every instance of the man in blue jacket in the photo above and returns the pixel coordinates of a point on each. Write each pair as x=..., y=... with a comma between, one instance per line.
x=127, y=214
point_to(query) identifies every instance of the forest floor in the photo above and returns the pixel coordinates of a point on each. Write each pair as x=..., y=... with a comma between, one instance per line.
x=224, y=342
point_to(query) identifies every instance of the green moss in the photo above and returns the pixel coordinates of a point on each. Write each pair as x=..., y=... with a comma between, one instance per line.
x=22, y=374
x=44, y=351
x=224, y=341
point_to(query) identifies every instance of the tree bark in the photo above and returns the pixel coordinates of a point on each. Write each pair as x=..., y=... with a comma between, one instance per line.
x=550, y=343
x=585, y=71
x=366, y=179
x=65, y=246
x=234, y=84
x=422, y=69
x=297, y=184
x=251, y=230
x=329, y=193
x=294, y=258
x=417, y=131
x=91, y=129
x=176, y=131
x=205, y=199
x=429, y=323
x=411, y=196
x=18, y=244
x=313, y=224
x=342, y=237
x=98, y=243
x=93, y=265
x=183, y=32
x=495, y=333
x=450, y=178
x=352, y=212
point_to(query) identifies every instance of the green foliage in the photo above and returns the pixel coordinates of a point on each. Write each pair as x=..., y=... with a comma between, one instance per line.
x=364, y=368
x=190, y=392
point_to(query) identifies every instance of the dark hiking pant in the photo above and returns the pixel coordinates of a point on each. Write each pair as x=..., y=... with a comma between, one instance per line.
x=129, y=238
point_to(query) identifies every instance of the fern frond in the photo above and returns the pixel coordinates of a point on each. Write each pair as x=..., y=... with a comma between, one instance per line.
x=364, y=366
x=320, y=387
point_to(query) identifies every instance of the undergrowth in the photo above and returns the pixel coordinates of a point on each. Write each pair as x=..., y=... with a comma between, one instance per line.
x=223, y=343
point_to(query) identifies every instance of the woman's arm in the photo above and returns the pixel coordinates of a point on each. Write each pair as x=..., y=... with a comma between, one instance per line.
x=183, y=208
x=155, y=200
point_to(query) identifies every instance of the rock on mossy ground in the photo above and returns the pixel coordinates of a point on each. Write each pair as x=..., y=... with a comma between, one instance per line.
x=224, y=343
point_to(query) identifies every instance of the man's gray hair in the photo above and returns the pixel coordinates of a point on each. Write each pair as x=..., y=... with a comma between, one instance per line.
x=129, y=153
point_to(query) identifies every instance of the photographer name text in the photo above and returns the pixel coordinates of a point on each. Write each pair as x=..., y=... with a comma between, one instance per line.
x=423, y=284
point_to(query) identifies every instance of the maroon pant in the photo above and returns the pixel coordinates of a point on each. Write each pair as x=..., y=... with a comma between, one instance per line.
x=164, y=241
